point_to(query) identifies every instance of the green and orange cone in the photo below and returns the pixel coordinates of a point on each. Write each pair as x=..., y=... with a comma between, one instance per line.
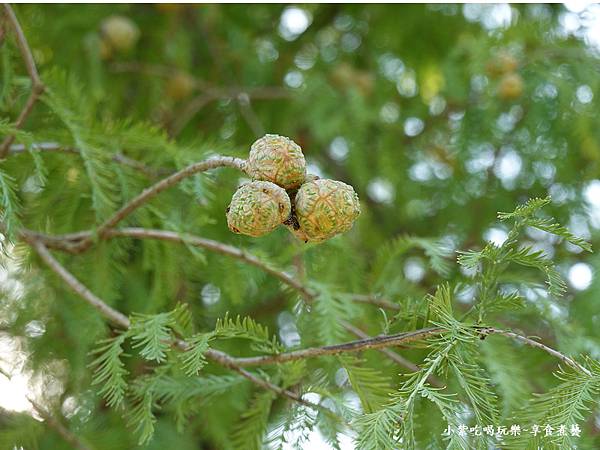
x=257, y=208
x=277, y=159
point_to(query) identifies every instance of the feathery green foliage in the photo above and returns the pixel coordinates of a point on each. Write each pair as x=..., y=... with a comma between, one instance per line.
x=508, y=372
x=247, y=328
x=65, y=96
x=9, y=208
x=377, y=429
x=563, y=406
x=193, y=359
x=250, y=430
x=371, y=386
x=110, y=371
x=140, y=414
x=328, y=305
x=152, y=335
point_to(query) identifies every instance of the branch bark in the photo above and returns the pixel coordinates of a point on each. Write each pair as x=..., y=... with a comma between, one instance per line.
x=96, y=302
x=238, y=364
x=152, y=191
x=384, y=341
x=400, y=360
x=532, y=343
x=211, y=94
x=37, y=87
x=2, y=29
x=67, y=242
x=218, y=247
x=123, y=321
x=374, y=342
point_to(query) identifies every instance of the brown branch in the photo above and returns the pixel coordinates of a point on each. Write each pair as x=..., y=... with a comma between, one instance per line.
x=400, y=360
x=384, y=341
x=22, y=43
x=237, y=364
x=375, y=300
x=110, y=313
x=532, y=343
x=123, y=321
x=37, y=87
x=189, y=111
x=211, y=94
x=249, y=115
x=70, y=243
x=218, y=247
x=376, y=342
x=68, y=436
x=142, y=233
x=152, y=191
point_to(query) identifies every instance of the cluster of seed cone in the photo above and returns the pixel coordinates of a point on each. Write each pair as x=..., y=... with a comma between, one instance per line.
x=282, y=193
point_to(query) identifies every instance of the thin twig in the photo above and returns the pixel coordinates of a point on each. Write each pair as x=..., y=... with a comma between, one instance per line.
x=68, y=436
x=375, y=300
x=110, y=313
x=123, y=321
x=400, y=360
x=279, y=390
x=384, y=341
x=237, y=364
x=164, y=184
x=376, y=342
x=249, y=115
x=211, y=94
x=37, y=87
x=526, y=340
x=69, y=243
x=189, y=111
x=218, y=247
x=59, y=242
x=49, y=147
x=23, y=44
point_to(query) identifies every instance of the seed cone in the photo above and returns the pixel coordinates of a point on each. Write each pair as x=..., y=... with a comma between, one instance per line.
x=257, y=208
x=120, y=33
x=324, y=208
x=277, y=159
x=503, y=63
x=510, y=87
x=180, y=86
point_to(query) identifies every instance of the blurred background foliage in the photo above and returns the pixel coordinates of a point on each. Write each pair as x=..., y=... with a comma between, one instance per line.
x=439, y=116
